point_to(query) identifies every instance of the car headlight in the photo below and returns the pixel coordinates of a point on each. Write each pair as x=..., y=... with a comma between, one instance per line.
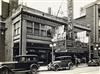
x=90, y=61
x=0, y=64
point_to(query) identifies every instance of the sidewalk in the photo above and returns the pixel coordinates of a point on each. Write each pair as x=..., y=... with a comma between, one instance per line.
x=43, y=68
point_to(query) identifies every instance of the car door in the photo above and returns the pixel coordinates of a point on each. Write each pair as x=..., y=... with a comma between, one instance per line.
x=63, y=63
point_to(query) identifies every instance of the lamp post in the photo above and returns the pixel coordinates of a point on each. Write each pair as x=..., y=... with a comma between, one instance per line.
x=52, y=45
x=97, y=49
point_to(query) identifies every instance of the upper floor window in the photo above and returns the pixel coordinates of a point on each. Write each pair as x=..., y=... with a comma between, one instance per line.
x=36, y=29
x=49, y=31
x=17, y=28
x=29, y=23
x=29, y=30
x=29, y=27
x=43, y=30
x=36, y=25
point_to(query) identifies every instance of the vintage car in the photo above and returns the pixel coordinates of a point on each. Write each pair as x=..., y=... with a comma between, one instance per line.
x=25, y=63
x=94, y=62
x=61, y=62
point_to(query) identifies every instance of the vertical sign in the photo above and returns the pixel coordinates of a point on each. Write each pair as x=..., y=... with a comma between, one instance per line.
x=70, y=18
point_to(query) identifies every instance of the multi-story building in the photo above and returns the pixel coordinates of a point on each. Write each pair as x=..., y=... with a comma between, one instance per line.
x=30, y=32
x=92, y=19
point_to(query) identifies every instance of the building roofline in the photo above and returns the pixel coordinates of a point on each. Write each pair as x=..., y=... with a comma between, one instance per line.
x=36, y=12
x=91, y=4
x=80, y=17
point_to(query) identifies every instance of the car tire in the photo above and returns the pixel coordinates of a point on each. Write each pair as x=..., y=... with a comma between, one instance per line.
x=56, y=68
x=70, y=66
x=49, y=69
x=5, y=71
x=33, y=69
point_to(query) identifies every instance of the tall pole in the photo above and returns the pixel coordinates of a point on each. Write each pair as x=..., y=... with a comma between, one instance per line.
x=52, y=45
x=52, y=55
x=89, y=46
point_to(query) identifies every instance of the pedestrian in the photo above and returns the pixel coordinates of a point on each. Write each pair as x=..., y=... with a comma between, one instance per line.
x=76, y=62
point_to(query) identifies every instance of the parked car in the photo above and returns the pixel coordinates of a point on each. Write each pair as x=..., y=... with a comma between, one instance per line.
x=94, y=62
x=61, y=62
x=27, y=63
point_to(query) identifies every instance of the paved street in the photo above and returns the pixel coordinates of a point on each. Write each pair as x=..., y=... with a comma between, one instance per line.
x=78, y=70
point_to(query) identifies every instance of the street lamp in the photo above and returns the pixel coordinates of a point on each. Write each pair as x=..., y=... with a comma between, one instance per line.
x=52, y=45
x=96, y=45
x=2, y=32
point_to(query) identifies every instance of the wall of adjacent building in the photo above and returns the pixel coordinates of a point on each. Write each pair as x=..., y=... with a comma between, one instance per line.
x=9, y=40
x=2, y=41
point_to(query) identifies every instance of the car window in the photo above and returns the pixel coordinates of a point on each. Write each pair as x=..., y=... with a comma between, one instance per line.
x=63, y=58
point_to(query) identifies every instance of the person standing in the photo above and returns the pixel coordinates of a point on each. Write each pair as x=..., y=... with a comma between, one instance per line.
x=76, y=61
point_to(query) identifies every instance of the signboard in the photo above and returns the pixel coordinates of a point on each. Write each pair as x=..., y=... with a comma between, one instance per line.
x=59, y=34
x=82, y=37
x=60, y=37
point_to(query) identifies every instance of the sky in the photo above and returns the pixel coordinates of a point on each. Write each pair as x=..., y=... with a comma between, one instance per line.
x=55, y=4
x=43, y=5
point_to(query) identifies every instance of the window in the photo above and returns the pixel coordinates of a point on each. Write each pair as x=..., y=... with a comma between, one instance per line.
x=17, y=28
x=36, y=25
x=36, y=32
x=42, y=26
x=29, y=30
x=43, y=30
x=29, y=23
x=29, y=27
x=36, y=29
x=49, y=30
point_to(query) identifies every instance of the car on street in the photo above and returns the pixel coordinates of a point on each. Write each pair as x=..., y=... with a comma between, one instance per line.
x=27, y=63
x=94, y=62
x=61, y=62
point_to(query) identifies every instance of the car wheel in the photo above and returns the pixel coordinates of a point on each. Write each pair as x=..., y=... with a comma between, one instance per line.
x=33, y=69
x=5, y=71
x=49, y=69
x=70, y=67
x=56, y=67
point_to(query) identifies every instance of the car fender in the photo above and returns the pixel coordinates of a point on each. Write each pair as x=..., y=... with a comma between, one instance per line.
x=70, y=64
x=5, y=67
x=56, y=65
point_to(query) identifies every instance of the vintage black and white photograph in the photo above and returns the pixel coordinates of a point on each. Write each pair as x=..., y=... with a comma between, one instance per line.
x=49, y=36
